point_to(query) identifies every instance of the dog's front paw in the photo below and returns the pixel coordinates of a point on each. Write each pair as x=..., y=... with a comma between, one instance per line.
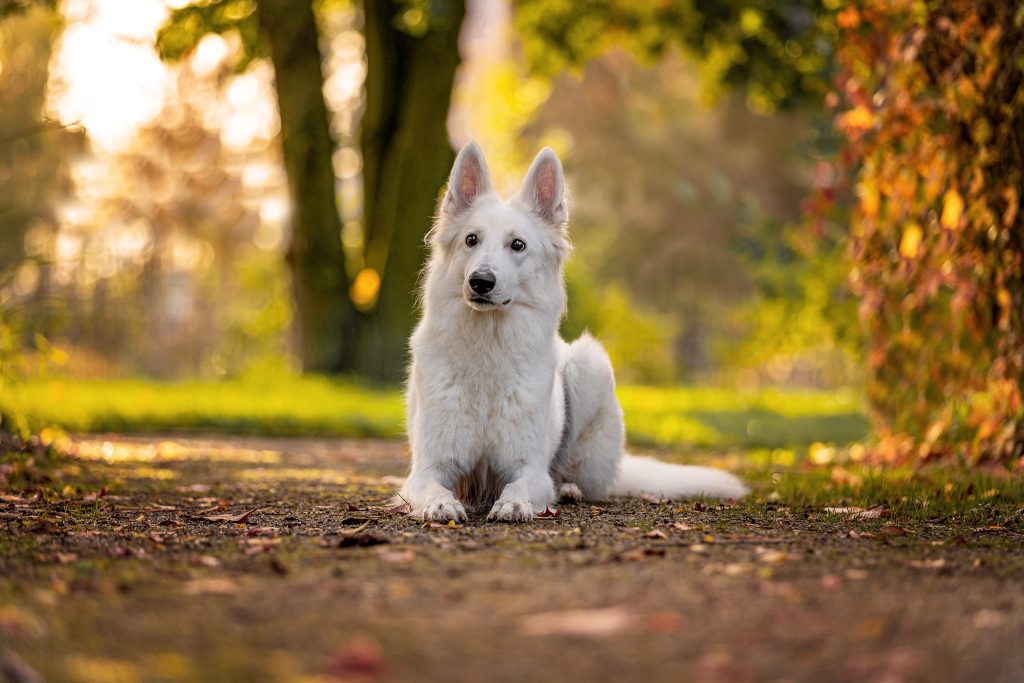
x=444, y=510
x=570, y=493
x=511, y=511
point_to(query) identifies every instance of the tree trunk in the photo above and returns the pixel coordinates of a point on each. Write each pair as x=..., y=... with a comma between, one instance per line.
x=406, y=159
x=323, y=312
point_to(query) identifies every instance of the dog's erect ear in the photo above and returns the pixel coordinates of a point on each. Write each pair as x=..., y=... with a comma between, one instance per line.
x=543, y=191
x=469, y=180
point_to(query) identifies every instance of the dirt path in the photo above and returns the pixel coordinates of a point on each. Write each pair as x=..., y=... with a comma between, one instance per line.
x=165, y=578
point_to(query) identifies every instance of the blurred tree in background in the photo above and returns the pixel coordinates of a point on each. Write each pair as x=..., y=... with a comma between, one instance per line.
x=33, y=179
x=411, y=53
x=933, y=113
x=778, y=53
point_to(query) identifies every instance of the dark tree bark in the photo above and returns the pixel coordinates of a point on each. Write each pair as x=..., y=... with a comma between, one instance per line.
x=323, y=312
x=406, y=159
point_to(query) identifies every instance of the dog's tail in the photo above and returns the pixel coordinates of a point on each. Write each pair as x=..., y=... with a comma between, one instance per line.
x=665, y=480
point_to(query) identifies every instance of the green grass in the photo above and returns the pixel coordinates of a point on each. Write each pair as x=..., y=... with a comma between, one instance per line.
x=287, y=405
x=952, y=495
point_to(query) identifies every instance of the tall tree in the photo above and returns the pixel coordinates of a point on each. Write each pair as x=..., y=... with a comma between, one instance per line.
x=33, y=166
x=406, y=158
x=412, y=54
x=324, y=314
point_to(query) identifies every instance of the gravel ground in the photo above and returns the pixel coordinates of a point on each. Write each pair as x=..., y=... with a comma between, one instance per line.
x=230, y=559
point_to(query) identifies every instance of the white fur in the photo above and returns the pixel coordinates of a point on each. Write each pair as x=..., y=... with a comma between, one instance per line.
x=490, y=376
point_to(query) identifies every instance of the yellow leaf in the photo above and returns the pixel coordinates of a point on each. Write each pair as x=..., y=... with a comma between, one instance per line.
x=364, y=289
x=867, y=190
x=859, y=118
x=952, y=209
x=911, y=240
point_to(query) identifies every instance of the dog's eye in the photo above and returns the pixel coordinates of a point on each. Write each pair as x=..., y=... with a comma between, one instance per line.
x=518, y=245
x=471, y=240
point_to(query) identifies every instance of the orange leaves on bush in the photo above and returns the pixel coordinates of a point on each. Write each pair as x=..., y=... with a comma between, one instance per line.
x=931, y=101
x=849, y=18
x=952, y=209
x=911, y=240
x=856, y=121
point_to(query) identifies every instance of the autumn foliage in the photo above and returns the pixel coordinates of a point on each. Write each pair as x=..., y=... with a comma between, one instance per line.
x=931, y=104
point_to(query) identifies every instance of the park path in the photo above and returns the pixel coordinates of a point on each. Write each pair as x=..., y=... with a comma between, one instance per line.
x=217, y=559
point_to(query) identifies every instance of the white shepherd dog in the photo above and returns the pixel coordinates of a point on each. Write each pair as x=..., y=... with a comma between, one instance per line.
x=501, y=411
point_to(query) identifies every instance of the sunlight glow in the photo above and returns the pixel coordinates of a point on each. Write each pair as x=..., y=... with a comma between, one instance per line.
x=107, y=75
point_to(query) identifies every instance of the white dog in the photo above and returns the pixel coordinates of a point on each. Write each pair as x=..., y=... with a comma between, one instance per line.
x=502, y=411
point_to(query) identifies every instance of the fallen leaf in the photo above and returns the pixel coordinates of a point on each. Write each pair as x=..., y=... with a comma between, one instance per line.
x=93, y=497
x=655, y=533
x=927, y=564
x=262, y=541
x=877, y=512
x=682, y=526
x=588, y=623
x=361, y=657
x=210, y=586
x=664, y=622
x=843, y=510
x=67, y=558
x=205, y=561
x=237, y=519
x=830, y=582
x=989, y=618
x=398, y=556
x=774, y=557
x=892, y=532
x=550, y=513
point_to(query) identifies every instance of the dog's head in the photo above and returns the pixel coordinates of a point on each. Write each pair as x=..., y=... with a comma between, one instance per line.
x=497, y=253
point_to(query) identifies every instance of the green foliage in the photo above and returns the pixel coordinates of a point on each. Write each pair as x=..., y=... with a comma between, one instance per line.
x=639, y=341
x=800, y=327
x=933, y=113
x=187, y=25
x=258, y=317
x=717, y=418
x=777, y=52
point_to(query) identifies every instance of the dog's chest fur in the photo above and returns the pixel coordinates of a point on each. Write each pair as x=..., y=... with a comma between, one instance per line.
x=501, y=382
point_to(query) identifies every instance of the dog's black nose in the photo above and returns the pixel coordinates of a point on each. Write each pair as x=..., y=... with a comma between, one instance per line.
x=482, y=282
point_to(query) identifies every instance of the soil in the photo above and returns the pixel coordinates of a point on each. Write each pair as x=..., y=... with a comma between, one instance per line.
x=230, y=559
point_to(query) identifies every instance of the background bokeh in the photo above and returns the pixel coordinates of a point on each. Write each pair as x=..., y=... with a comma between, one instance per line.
x=764, y=196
